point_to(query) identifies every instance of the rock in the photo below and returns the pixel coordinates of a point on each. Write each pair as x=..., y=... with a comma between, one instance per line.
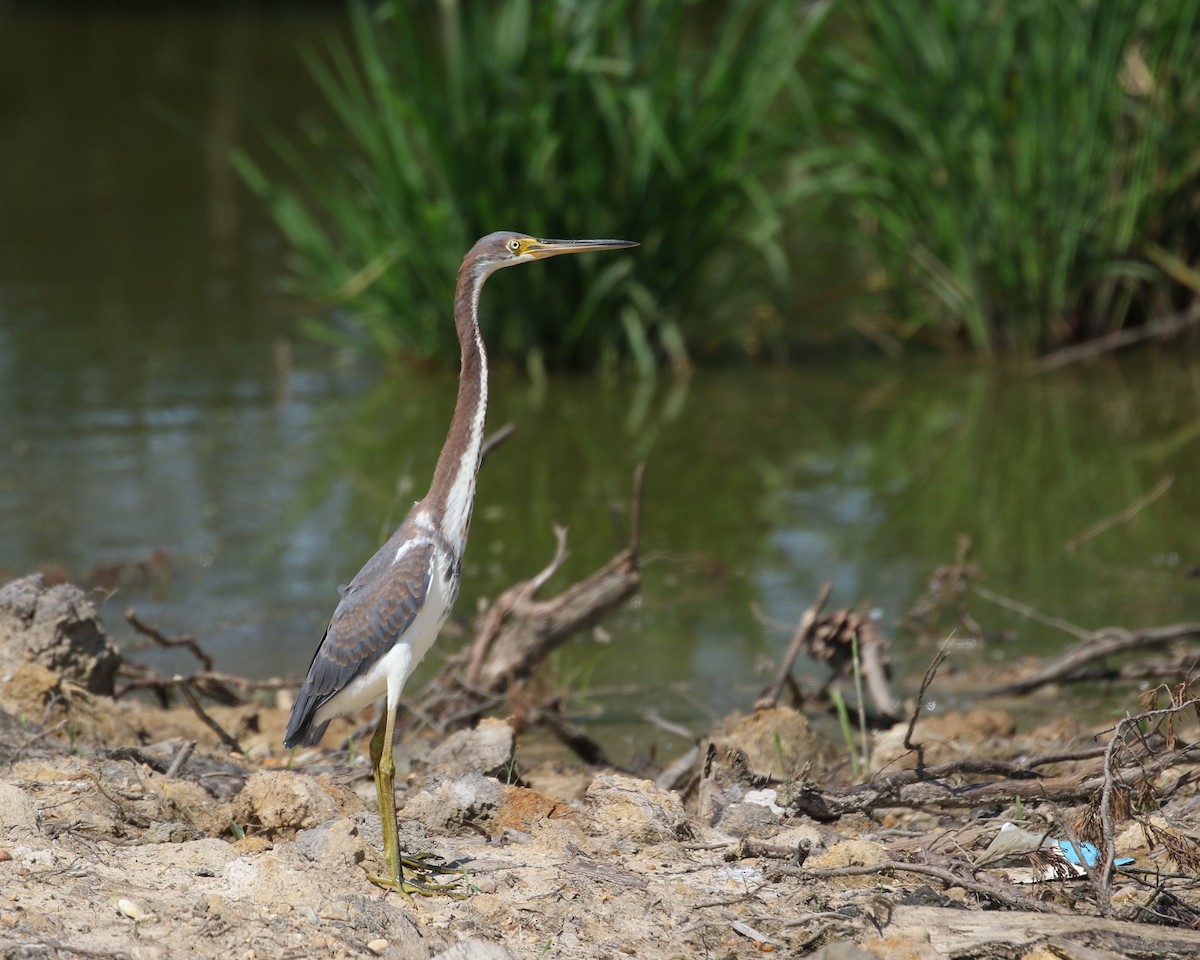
x=471, y=798
x=777, y=742
x=557, y=780
x=282, y=801
x=803, y=839
x=191, y=803
x=39, y=695
x=18, y=815
x=726, y=778
x=747, y=820
x=488, y=749
x=131, y=908
x=852, y=853
x=842, y=950
x=523, y=809
x=171, y=832
x=56, y=627
x=335, y=845
x=1139, y=836
x=635, y=810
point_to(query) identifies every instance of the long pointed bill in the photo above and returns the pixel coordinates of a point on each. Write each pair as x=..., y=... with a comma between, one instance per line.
x=540, y=249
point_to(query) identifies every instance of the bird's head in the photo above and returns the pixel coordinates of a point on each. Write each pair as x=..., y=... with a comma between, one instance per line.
x=506, y=249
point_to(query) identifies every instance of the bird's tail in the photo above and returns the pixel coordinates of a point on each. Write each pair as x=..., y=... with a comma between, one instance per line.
x=301, y=729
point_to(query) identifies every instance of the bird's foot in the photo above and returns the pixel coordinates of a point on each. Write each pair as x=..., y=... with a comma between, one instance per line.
x=414, y=875
x=410, y=884
x=427, y=863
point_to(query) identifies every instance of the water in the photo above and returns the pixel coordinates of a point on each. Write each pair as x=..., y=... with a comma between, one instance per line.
x=157, y=396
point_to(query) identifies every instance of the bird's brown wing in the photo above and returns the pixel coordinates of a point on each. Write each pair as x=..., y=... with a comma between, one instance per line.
x=375, y=610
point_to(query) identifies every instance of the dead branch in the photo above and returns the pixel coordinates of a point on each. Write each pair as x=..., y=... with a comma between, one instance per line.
x=213, y=684
x=1123, y=516
x=770, y=696
x=930, y=673
x=222, y=735
x=943, y=786
x=494, y=618
x=494, y=439
x=954, y=932
x=1097, y=645
x=571, y=736
x=987, y=887
x=531, y=629
x=518, y=631
x=165, y=641
x=1166, y=327
x=181, y=758
x=874, y=669
x=1031, y=614
x=1108, y=830
x=847, y=640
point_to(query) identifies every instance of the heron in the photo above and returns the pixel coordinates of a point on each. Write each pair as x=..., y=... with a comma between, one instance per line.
x=392, y=611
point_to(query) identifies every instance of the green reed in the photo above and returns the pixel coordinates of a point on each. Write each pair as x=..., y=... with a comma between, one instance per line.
x=650, y=120
x=1011, y=163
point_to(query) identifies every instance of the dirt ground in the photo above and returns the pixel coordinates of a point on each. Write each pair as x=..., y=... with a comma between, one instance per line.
x=131, y=831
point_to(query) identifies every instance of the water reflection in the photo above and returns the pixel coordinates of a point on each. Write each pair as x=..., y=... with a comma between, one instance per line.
x=760, y=485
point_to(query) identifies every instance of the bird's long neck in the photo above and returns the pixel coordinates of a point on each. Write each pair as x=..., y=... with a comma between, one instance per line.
x=453, y=489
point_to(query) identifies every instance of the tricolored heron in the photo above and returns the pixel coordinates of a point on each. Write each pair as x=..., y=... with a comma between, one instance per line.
x=390, y=614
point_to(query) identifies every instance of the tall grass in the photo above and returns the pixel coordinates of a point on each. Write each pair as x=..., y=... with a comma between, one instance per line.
x=1010, y=161
x=652, y=120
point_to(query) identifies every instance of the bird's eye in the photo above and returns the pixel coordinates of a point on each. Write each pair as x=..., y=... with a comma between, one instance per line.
x=514, y=246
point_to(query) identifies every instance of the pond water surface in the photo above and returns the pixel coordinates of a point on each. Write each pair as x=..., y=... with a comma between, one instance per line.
x=157, y=396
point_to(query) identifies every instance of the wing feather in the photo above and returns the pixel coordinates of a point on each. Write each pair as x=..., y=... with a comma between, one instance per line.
x=378, y=606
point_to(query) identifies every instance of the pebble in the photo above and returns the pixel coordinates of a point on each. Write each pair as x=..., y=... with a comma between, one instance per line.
x=309, y=914
x=377, y=946
x=335, y=911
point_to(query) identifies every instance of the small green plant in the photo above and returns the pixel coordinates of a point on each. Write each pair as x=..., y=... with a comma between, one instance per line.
x=790, y=788
x=512, y=772
x=862, y=704
x=627, y=118
x=839, y=704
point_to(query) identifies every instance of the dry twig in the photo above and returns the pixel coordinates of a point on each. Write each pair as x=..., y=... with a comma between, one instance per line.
x=770, y=696
x=164, y=641
x=517, y=633
x=1123, y=516
x=990, y=888
x=1111, y=777
x=930, y=673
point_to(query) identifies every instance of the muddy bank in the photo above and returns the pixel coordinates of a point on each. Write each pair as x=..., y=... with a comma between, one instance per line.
x=130, y=830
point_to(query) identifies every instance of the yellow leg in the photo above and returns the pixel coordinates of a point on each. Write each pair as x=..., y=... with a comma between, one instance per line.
x=384, y=767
